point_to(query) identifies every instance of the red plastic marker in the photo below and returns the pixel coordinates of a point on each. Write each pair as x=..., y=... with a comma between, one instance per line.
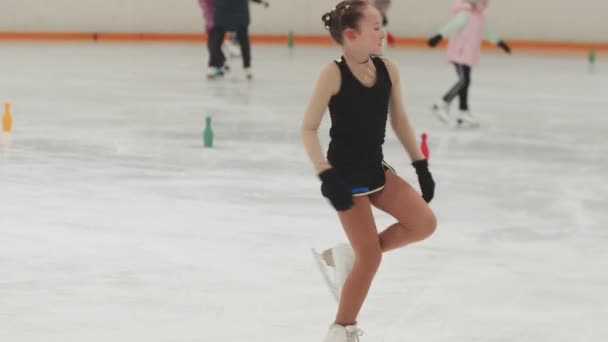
x=424, y=147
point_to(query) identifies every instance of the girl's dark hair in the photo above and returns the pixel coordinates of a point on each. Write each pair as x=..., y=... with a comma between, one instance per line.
x=345, y=15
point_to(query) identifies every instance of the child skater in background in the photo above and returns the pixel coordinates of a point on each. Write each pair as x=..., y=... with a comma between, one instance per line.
x=228, y=16
x=466, y=31
x=208, y=15
x=361, y=91
x=232, y=48
x=207, y=7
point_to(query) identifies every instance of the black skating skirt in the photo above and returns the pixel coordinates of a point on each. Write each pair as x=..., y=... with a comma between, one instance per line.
x=364, y=179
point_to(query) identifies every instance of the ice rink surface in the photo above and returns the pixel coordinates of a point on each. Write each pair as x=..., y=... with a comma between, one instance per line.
x=117, y=225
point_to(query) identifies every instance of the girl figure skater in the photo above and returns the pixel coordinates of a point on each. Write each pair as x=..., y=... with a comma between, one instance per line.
x=467, y=30
x=361, y=90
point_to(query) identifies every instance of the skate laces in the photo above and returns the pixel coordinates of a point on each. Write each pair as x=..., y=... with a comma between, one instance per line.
x=353, y=333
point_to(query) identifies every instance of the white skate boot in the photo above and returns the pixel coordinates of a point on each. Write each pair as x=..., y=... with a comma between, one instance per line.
x=441, y=110
x=466, y=119
x=233, y=49
x=341, y=258
x=338, y=333
x=215, y=73
x=248, y=73
x=226, y=68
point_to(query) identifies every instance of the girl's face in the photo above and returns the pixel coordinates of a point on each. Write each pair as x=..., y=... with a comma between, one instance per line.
x=370, y=34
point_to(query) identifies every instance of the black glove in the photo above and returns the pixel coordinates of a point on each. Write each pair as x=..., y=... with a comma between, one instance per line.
x=425, y=179
x=433, y=41
x=336, y=190
x=504, y=46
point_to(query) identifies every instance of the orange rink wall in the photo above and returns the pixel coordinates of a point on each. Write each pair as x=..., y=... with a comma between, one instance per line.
x=320, y=40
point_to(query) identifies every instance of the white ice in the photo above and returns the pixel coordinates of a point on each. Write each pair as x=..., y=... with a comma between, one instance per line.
x=116, y=224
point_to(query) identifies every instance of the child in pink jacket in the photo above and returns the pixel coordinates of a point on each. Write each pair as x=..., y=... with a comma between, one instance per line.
x=207, y=7
x=466, y=30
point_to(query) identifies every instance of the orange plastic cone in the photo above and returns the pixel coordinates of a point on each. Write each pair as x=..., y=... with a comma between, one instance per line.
x=7, y=119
